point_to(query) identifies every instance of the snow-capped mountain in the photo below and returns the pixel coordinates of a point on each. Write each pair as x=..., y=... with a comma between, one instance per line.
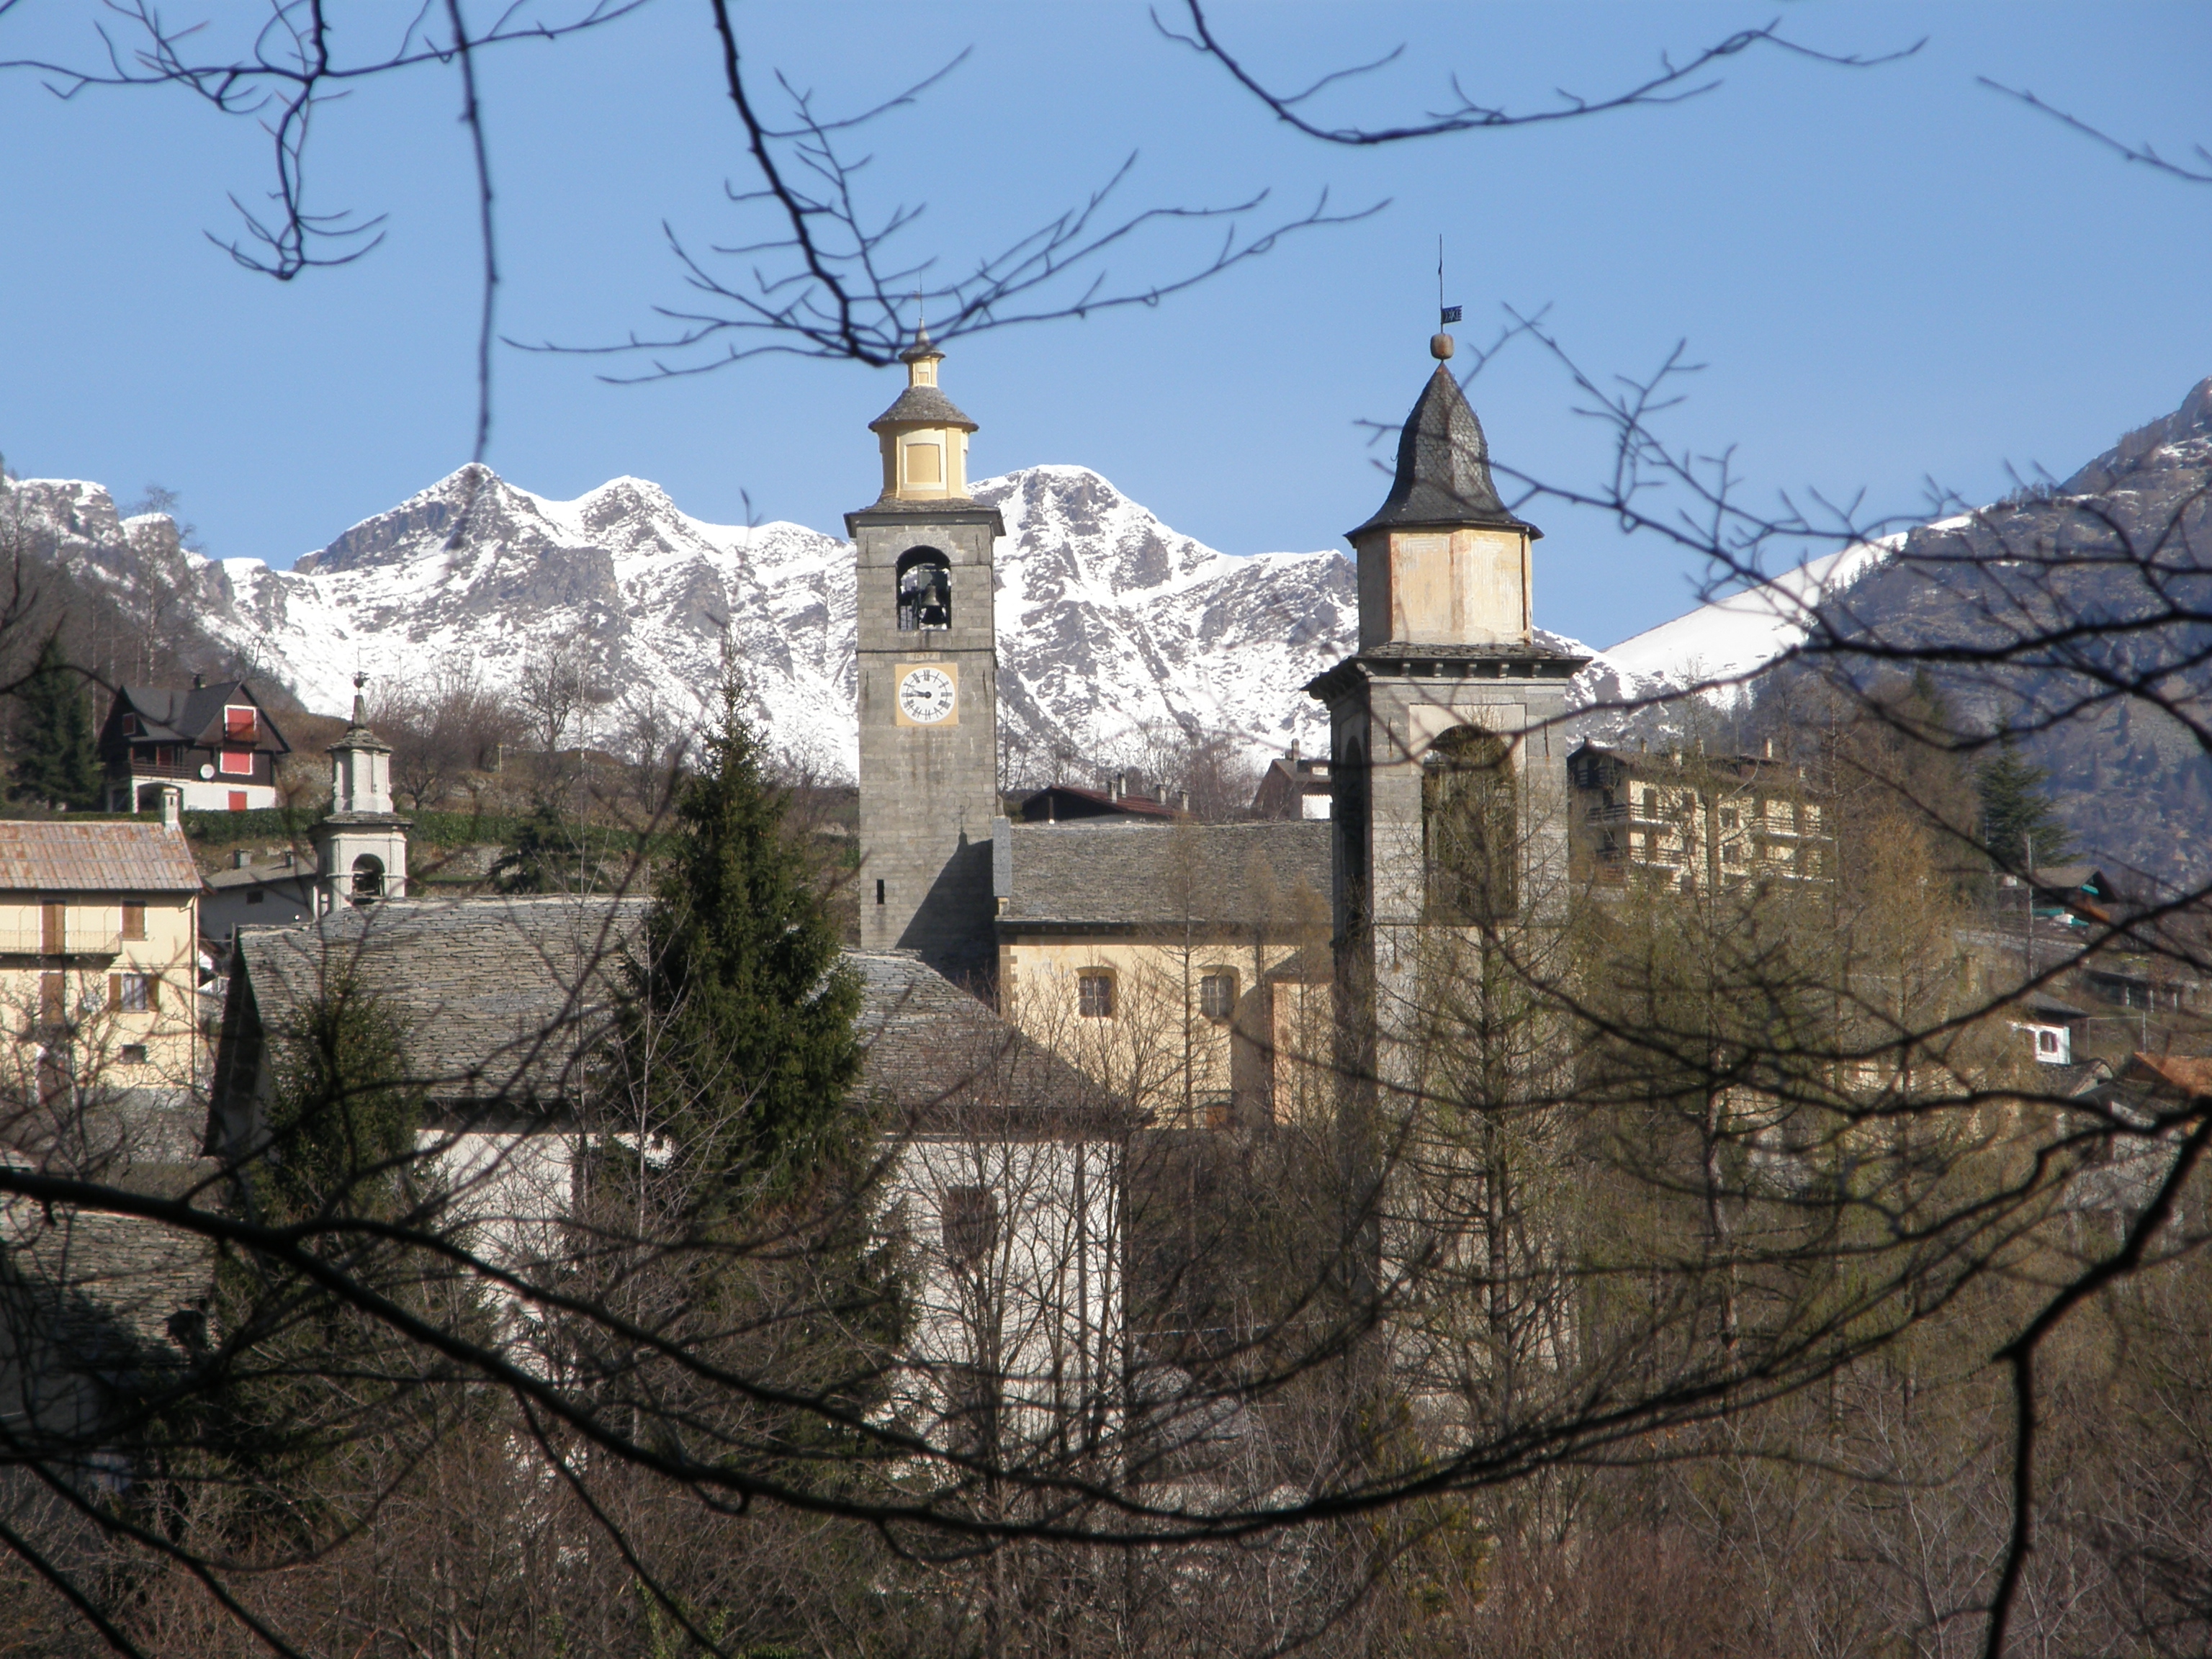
x=1115, y=632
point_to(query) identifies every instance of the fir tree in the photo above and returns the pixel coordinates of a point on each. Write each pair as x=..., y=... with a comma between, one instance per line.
x=738, y=996
x=57, y=760
x=546, y=848
x=2019, y=827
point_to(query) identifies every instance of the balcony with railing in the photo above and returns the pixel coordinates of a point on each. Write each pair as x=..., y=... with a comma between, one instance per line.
x=76, y=939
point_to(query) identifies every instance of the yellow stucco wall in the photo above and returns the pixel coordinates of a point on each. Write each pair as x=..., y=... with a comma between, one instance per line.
x=1158, y=1049
x=93, y=994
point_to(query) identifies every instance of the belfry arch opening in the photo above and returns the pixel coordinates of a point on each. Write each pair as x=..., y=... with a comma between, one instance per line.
x=367, y=879
x=1470, y=828
x=925, y=591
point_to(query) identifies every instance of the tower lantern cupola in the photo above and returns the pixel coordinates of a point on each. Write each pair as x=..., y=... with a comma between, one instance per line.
x=924, y=435
x=361, y=843
x=1443, y=561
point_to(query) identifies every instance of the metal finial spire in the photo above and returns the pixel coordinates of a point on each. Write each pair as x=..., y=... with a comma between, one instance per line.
x=360, y=701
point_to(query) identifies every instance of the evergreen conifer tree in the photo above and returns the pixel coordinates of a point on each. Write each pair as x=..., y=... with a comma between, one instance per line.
x=2019, y=826
x=56, y=761
x=738, y=1036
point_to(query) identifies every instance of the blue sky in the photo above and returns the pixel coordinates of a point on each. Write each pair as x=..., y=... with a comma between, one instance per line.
x=1892, y=274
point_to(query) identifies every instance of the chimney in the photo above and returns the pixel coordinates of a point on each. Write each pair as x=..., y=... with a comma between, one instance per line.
x=242, y=858
x=1294, y=754
x=1770, y=749
x=173, y=807
x=1184, y=800
x=199, y=681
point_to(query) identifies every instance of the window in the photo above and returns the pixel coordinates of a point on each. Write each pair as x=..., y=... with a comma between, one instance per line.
x=236, y=762
x=1651, y=803
x=925, y=590
x=130, y=726
x=879, y=891
x=1094, y=994
x=1217, y=994
x=168, y=754
x=134, y=921
x=1729, y=817
x=1470, y=828
x=239, y=724
x=255, y=896
x=1732, y=852
x=2046, y=1042
x=237, y=800
x=133, y=1054
x=971, y=1223
x=130, y=993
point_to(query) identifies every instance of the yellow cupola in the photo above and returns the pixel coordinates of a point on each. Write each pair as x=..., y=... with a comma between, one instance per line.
x=924, y=435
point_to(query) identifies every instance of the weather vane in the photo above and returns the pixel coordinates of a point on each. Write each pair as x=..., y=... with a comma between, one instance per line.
x=1444, y=313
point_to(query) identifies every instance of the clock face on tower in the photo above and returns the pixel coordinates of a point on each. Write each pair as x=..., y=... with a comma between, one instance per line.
x=927, y=696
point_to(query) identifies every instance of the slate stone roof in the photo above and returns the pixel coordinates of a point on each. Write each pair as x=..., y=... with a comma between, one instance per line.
x=922, y=406
x=301, y=868
x=57, y=855
x=504, y=1000
x=1444, y=468
x=945, y=1064
x=496, y=998
x=1135, y=875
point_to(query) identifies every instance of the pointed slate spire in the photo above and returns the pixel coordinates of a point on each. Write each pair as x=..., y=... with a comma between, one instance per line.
x=1443, y=467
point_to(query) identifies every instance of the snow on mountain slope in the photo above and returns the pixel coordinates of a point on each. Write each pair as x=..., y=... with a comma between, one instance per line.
x=1115, y=632
x=1724, y=644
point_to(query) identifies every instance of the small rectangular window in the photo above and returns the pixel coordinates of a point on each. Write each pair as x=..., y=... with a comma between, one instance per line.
x=971, y=1223
x=239, y=724
x=255, y=896
x=133, y=1054
x=134, y=921
x=1217, y=995
x=1727, y=817
x=130, y=726
x=1094, y=995
x=879, y=892
x=237, y=762
x=132, y=993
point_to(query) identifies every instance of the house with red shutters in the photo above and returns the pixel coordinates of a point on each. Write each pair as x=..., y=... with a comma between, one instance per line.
x=215, y=743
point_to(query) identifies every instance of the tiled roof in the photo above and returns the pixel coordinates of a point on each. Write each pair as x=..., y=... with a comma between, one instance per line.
x=2188, y=1076
x=59, y=855
x=1103, y=873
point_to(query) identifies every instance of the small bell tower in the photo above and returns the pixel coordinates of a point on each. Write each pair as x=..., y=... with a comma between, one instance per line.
x=361, y=843
x=928, y=664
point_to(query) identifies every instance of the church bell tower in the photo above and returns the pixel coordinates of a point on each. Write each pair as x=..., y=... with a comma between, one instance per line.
x=1448, y=759
x=928, y=686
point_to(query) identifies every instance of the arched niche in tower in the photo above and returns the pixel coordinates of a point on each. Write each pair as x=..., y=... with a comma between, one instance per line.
x=925, y=590
x=1470, y=828
x=367, y=879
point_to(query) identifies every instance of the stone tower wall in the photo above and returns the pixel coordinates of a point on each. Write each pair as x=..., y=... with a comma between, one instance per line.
x=928, y=793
